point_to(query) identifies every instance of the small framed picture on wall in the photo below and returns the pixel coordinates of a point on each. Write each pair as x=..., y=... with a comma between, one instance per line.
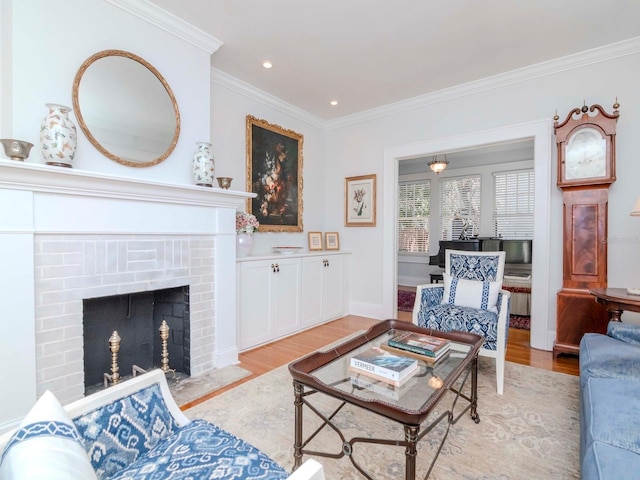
x=360, y=201
x=332, y=241
x=315, y=240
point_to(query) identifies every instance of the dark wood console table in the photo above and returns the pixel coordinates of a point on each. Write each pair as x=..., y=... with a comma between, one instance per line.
x=616, y=300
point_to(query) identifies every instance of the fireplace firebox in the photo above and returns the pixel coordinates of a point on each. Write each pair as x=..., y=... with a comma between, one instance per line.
x=137, y=318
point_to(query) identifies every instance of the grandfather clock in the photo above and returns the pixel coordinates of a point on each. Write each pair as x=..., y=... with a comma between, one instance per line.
x=586, y=170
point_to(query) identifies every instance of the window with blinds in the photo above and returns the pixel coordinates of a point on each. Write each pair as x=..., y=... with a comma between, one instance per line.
x=513, y=204
x=413, y=217
x=460, y=207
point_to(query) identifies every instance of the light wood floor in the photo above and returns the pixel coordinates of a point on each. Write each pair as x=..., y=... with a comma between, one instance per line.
x=273, y=355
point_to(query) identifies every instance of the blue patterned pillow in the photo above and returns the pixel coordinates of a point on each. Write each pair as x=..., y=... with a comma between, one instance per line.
x=481, y=266
x=471, y=293
x=119, y=433
x=202, y=450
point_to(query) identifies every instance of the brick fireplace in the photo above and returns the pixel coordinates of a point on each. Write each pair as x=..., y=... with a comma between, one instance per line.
x=71, y=235
x=73, y=268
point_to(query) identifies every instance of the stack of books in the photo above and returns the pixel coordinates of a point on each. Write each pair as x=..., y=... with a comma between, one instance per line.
x=385, y=389
x=427, y=348
x=380, y=365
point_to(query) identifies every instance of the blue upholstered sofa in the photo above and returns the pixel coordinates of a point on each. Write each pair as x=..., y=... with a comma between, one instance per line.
x=134, y=431
x=610, y=403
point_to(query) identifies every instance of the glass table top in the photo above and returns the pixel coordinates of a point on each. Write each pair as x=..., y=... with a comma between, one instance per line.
x=413, y=395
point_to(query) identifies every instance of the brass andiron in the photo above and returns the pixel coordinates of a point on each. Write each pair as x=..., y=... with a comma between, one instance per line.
x=114, y=347
x=164, y=336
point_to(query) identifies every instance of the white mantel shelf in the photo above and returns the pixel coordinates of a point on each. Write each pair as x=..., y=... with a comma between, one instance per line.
x=34, y=177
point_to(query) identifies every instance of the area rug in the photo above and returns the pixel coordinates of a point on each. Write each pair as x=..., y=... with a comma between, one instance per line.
x=406, y=300
x=532, y=431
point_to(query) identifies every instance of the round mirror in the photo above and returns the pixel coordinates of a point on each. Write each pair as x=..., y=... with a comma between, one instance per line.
x=126, y=108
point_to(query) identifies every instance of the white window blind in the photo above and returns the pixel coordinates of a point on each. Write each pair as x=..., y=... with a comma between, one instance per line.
x=460, y=207
x=513, y=205
x=413, y=217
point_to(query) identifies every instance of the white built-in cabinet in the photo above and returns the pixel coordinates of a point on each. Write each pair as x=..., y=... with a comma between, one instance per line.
x=280, y=295
x=322, y=289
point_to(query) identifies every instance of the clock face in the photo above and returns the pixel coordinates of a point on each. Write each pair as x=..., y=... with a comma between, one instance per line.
x=585, y=155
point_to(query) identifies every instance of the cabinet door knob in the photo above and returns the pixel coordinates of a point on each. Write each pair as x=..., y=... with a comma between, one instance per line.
x=273, y=267
x=277, y=267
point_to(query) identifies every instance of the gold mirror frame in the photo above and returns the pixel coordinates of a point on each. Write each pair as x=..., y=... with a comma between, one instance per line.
x=78, y=113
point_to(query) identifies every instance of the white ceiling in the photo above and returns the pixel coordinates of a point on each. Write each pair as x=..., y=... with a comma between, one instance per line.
x=370, y=53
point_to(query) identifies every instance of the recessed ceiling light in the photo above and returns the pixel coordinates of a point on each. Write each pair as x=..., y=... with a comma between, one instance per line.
x=334, y=102
x=267, y=64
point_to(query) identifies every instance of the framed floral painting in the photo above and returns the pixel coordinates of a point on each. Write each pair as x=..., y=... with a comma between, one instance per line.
x=274, y=174
x=360, y=201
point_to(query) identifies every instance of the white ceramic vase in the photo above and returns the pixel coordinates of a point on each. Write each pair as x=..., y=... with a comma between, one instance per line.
x=244, y=243
x=58, y=137
x=203, y=165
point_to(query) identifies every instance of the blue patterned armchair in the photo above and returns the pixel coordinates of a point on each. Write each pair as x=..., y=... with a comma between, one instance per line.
x=471, y=300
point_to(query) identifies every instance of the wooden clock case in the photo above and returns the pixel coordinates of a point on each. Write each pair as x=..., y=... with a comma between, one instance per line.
x=585, y=208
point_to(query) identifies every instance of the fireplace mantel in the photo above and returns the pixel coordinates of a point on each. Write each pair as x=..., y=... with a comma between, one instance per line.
x=45, y=178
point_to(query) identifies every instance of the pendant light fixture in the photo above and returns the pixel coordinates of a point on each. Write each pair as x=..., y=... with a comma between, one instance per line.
x=438, y=166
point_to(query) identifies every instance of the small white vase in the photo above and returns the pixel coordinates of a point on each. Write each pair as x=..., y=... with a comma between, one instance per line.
x=203, y=165
x=244, y=243
x=58, y=137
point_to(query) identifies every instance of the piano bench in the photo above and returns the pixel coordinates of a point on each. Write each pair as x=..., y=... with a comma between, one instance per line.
x=436, y=276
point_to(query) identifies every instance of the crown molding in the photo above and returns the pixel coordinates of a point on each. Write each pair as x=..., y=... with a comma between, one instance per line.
x=225, y=80
x=153, y=14
x=551, y=67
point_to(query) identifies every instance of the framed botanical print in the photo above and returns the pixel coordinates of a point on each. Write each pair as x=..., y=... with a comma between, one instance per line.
x=274, y=174
x=331, y=241
x=315, y=241
x=360, y=201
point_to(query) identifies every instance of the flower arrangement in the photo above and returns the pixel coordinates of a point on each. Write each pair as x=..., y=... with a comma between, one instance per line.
x=246, y=222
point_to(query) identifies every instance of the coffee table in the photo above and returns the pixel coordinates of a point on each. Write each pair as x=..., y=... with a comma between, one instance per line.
x=327, y=372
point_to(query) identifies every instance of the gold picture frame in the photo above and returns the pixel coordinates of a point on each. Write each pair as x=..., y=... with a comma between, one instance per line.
x=274, y=174
x=360, y=201
x=315, y=241
x=331, y=241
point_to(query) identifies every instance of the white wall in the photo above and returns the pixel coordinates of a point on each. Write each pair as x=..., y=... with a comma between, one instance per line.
x=358, y=148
